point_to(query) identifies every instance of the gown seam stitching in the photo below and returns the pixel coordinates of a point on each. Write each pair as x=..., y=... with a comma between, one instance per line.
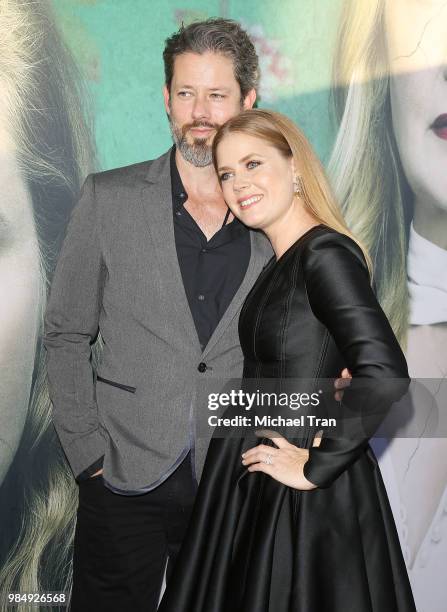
x=325, y=343
x=286, y=313
x=261, y=310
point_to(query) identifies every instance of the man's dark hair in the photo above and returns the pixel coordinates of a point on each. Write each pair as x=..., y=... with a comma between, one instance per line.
x=224, y=36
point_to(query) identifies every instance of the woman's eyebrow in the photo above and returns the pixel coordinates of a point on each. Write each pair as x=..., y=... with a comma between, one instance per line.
x=248, y=157
x=241, y=160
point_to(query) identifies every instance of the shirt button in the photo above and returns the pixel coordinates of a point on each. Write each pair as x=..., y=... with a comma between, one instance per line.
x=202, y=367
x=201, y=297
x=182, y=195
x=204, y=250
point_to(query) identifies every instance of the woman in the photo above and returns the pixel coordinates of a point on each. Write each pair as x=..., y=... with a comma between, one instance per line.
x=45, y=151
x=303, y=526
x=390, y=74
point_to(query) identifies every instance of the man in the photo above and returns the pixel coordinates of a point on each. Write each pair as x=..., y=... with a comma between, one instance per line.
x=153, y=262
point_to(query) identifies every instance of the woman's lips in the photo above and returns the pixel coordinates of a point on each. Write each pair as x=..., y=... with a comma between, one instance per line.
x=248, y=202
x=439, y=126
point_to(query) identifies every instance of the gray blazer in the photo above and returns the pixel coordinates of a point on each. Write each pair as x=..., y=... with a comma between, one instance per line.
x=118, y=273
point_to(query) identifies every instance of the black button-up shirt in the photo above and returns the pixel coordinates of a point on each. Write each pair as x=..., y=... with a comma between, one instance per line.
x=213, y=270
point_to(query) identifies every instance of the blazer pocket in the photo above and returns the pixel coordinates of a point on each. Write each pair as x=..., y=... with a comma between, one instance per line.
x=116, y=384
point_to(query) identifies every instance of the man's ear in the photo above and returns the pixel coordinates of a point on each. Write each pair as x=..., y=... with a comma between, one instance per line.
x=249, y=99
x=166, y=97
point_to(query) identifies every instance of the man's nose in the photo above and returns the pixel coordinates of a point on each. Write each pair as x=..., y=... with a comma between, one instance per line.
x=200, y=109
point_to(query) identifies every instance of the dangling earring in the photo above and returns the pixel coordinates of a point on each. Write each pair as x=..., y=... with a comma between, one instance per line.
x=297, y=185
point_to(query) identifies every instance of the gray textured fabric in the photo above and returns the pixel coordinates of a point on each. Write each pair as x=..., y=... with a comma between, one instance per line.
x=118, y=273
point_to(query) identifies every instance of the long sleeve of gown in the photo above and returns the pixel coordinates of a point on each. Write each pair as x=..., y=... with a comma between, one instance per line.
x=341, y=297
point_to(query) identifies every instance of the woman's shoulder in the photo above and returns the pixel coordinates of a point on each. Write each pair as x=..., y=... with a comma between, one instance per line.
x=329, y=245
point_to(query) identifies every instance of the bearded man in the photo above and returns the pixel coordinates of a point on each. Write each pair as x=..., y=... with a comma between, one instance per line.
x=154, y=262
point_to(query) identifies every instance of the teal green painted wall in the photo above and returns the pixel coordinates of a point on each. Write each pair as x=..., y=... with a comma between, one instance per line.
x=119, y=44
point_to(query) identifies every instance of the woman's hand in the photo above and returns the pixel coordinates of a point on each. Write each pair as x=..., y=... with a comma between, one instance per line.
x=284, y=463
x=341, y=383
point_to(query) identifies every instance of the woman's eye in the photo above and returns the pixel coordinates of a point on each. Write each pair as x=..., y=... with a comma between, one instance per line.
x=252, y=164
x=225, y=176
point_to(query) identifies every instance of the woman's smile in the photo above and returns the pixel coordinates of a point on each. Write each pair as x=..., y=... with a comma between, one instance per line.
x=248, y=201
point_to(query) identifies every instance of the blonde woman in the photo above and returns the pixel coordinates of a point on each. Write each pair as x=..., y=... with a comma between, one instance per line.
x=45, y=151
x=282, y=526
x=389, y=173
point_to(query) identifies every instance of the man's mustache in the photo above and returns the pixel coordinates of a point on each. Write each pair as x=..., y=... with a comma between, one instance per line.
x=198, y=124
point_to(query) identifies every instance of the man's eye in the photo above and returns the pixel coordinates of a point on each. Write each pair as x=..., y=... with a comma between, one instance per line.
x=252, y=164
x=217, y=95
x=184, y=94
x=225, y=176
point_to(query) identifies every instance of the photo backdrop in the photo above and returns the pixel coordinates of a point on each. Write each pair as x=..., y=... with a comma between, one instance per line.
x=80, y=90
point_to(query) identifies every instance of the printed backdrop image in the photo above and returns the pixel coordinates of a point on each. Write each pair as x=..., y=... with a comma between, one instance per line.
x=81, y=90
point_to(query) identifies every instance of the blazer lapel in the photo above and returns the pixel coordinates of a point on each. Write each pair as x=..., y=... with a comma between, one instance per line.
x=260, y=253
x=156, y=199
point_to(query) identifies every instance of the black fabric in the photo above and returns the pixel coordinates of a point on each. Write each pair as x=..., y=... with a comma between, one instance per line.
x=213, y=270
x=122, y=542
x=255, y=545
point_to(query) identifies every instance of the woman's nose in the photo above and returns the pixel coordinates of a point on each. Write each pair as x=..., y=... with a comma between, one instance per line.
x=240, y=182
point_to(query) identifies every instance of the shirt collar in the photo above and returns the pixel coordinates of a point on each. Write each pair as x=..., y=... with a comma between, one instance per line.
x=427, y=280
x=180, y=196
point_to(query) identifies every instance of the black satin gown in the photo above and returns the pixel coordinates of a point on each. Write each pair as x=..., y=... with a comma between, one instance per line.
x=255, y=545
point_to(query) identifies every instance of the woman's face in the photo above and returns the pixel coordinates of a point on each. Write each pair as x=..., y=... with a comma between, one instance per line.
x=19, y=305
x=256, y=180
x=416, y=33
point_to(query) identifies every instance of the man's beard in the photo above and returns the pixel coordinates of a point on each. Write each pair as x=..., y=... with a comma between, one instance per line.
x=198, y=153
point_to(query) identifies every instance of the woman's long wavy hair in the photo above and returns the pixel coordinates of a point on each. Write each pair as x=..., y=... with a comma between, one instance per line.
x=365, y=166
x=43, y=99
x=281, y=133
